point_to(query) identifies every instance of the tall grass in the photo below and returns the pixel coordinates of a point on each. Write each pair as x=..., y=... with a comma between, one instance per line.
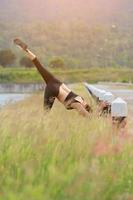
x=61, y=155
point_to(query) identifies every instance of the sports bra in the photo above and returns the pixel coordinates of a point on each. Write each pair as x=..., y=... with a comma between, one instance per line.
x=71, y=98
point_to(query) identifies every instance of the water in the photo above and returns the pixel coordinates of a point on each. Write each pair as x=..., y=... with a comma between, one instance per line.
x=11, y=93
x=126, y=94
x=11, y=98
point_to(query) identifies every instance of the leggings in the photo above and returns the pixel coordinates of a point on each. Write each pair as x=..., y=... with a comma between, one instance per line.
x=52, y=88
x=52, y=84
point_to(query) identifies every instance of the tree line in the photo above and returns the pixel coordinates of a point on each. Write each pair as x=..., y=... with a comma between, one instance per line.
x=8, y=58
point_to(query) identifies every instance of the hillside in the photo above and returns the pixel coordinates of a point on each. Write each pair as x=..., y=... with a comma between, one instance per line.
x=83, y=32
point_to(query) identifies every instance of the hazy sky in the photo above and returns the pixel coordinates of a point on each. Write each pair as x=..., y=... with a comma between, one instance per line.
x=64, y=9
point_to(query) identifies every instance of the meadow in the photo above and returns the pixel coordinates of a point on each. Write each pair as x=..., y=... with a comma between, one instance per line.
x=92, y=75
x=61, y=155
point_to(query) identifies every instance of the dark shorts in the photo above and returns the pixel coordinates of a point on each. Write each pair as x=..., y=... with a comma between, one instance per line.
x=51, y=91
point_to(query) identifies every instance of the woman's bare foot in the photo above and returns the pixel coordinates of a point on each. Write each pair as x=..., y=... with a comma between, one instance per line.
x=21, y=44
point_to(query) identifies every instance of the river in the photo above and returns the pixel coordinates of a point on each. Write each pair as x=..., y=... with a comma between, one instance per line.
x=119, y=90
x=10, y=93
x=9, y=98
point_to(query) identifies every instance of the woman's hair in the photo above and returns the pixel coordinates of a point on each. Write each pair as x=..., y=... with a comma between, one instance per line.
x=88, y=108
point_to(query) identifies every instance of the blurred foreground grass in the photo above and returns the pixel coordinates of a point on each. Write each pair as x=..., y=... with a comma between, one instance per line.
x=23, y=75
x=60, y=155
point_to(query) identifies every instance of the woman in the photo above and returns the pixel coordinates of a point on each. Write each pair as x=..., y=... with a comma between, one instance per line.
x=55, y=88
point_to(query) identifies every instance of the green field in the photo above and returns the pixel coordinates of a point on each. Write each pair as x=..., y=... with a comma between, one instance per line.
x=92, y=75
x=61, y=155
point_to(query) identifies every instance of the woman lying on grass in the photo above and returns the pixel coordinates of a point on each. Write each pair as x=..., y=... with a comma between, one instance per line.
x=55, y=88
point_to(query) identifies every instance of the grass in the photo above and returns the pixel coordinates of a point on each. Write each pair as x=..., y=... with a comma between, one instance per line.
x=61, y=155
x=22, y=75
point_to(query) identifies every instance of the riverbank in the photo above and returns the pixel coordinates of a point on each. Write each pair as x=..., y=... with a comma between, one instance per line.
x=20, y=87
x=91, y=75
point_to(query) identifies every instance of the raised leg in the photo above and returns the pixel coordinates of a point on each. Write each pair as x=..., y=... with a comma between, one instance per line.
x=47, y=76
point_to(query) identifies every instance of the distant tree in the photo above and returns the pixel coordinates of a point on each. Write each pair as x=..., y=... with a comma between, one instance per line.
x=57, y=63
x=7, y=57
x=26, y=62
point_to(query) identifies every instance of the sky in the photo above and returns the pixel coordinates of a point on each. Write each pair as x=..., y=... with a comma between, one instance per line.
x=64, y=9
